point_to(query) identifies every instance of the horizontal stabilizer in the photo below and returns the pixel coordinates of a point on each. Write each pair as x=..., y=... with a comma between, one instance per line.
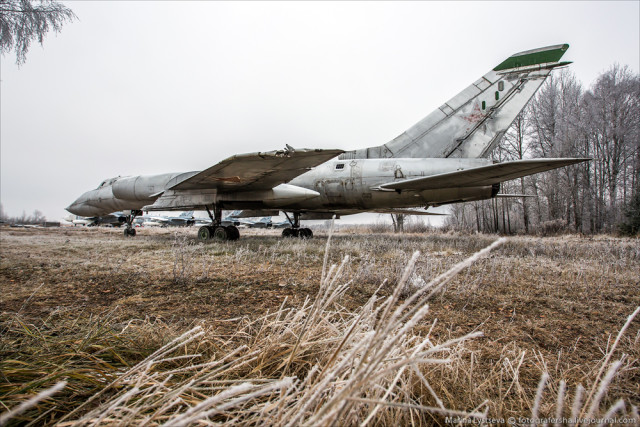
x=481, y=176
x=515, y=195
x=407, y=212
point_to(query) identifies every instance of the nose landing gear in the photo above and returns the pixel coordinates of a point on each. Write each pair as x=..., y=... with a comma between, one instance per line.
x=129, y=231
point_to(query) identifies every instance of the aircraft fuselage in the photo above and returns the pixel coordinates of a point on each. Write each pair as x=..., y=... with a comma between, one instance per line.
x=335, y=185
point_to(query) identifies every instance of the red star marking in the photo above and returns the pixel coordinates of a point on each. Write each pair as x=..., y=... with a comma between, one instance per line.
x=475, y=115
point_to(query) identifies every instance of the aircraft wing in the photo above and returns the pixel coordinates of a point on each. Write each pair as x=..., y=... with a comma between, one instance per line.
x=159, y=219
x=256, y=171
x=255, y=213
x=481, y=176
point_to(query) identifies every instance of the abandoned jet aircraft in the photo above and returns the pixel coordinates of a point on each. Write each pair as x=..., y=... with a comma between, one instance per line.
x=439, y=160
x=185, y=219
x=115, y=219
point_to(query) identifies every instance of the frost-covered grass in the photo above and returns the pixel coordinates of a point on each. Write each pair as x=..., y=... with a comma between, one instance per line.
x=166, y=330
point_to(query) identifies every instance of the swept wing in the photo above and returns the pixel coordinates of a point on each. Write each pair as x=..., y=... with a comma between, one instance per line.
x=481, y=176
x=255, y=171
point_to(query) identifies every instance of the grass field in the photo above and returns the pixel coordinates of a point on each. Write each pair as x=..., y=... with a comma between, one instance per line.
x=267, y=333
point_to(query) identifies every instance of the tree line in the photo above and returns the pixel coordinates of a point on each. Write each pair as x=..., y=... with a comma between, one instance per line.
x=36, y=218
x=565, y=120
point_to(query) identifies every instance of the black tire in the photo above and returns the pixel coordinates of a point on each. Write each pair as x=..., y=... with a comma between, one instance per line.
x=204, y=233
x=129, y=232
x=287, y=232
x=306, y=233
x=295, y=232
x=220, y=233
x=233, y=232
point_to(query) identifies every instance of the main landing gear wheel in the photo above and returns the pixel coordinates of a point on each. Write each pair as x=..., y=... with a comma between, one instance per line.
x=204, y=233
x=209, y=232
x=303, y=233
x=216, y=231
x=232, y=232
x=220, y=233
x=129, y=232
x=290, y=232
x=295, y=230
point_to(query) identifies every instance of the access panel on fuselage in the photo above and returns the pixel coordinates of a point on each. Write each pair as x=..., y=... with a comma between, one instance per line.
x=343, y=187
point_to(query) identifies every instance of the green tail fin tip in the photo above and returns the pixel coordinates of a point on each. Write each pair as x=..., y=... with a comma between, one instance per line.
x=533, y=57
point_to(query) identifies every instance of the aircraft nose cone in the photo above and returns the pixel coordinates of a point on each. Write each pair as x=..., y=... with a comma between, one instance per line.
x=80, y=206
x=72, y=208
x=80, y=209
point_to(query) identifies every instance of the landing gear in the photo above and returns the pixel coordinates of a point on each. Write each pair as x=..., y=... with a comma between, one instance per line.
x=216, y=231
x=295, y=230
x=204, y=233
x=129, y=231
x=233, y=232
x=220, y=233
x=303, y=233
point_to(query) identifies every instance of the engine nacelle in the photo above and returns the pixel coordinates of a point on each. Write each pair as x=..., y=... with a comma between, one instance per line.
x=140, y=187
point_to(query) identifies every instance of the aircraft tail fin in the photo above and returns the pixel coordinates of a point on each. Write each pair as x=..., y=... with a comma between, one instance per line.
x=472, y=123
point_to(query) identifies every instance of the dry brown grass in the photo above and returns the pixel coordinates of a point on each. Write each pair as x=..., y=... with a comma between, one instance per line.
x=548, y=307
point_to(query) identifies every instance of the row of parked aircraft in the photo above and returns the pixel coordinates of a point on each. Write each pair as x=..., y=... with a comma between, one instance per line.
x=185, y=219
x=442, y=159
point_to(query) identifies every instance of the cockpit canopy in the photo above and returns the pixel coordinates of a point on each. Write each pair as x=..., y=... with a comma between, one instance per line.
x=107, y=182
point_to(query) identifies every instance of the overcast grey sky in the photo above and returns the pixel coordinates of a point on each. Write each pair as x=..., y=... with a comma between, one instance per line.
x=149, y=87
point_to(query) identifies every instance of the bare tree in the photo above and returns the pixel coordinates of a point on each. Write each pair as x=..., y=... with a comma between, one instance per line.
x=613, y=123
x=22, y=21
x=631, y=225
x=563, y=120
x=514, y=146
x=398, y=222
x=461, y=218
x=36, y=218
